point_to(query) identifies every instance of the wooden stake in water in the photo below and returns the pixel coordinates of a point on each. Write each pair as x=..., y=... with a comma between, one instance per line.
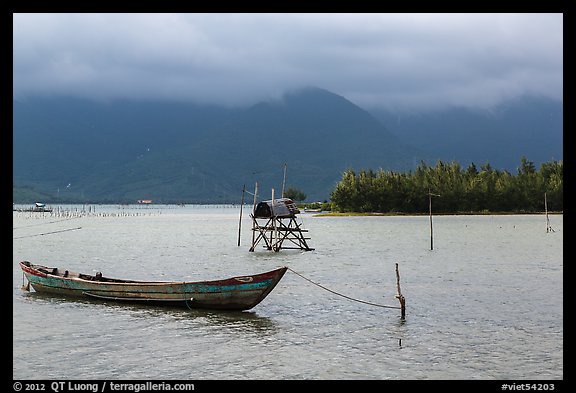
x=399, y=296
x=548, y=226
x=274, y=234
x=241, y=208
x=253, y=218
x=430, y=212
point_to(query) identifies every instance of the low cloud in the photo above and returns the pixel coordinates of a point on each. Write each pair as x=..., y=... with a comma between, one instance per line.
x=402, y=61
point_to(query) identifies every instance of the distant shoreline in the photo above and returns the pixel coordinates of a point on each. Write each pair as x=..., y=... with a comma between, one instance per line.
x=482, y=213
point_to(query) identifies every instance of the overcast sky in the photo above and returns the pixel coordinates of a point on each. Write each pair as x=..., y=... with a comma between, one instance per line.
x=398, y=61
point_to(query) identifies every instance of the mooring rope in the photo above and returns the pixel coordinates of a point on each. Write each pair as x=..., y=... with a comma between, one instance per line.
x=339, y=294
x=46, y=233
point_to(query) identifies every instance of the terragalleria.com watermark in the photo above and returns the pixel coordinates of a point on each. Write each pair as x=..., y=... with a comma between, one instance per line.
x=101, y=387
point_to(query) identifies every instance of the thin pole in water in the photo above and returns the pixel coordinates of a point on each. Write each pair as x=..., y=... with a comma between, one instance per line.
x=548, y=226
x=546, y=210
x=241, y=208
x=399, y=296
x=430, y=212
x=274, y=234
x=254, y=223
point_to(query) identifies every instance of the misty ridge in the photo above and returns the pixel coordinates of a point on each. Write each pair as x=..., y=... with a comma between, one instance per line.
x=77, y=150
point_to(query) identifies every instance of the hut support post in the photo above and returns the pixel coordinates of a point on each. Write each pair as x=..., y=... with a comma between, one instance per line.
x=274, y=233
x=283, y=181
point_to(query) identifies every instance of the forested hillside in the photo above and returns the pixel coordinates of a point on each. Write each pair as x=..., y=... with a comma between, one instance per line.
x=122, y=151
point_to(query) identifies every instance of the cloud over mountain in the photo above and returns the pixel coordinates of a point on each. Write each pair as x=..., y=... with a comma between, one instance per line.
x=396, y=61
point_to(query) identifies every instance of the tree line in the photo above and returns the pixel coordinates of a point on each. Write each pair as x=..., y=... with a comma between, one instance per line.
x=455, y=189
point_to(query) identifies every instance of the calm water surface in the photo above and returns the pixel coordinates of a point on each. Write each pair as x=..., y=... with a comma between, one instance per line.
x=486, y=303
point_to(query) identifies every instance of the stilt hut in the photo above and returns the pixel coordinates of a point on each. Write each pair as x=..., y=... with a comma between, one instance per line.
x=274, y=223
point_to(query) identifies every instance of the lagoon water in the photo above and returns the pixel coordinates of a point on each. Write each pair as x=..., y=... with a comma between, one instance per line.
x=485, y=304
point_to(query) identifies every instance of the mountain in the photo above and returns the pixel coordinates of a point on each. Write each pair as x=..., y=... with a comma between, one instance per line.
x=121, y=151
x=526, y=126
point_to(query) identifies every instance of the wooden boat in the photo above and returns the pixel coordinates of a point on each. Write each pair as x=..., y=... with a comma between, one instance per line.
x=236, y=293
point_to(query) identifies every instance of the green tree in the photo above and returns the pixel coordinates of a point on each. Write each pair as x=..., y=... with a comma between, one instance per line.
x=295, y=194
x=461, y=190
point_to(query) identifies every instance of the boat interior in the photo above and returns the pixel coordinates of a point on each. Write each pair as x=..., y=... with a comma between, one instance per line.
x=54, y=271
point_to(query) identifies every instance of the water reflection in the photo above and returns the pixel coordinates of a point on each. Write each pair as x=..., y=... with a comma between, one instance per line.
x=242, y=321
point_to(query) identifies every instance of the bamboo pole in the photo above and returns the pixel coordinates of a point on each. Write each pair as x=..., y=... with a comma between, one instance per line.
x=254, y=223
x=399, y=296
x=548, y=226
x=241, y=208
x=430, y=213
x=430, y=210
x=284, y=181
x=274, y=235
x=546, y=211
